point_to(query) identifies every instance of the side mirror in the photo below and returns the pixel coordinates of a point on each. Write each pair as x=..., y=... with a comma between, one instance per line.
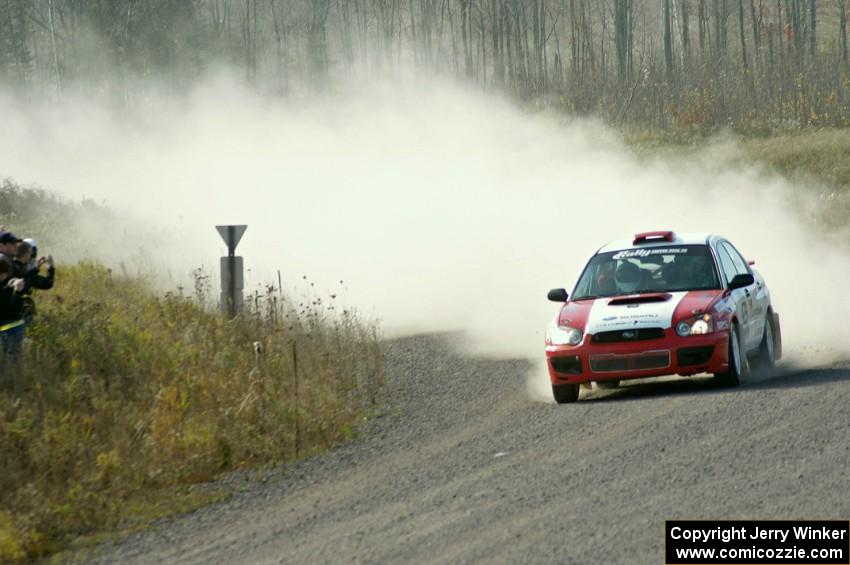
x=557, y=295
x=740, y=281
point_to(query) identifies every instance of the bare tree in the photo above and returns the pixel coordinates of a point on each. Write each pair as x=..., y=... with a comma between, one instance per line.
x=743, y=37
x=684, y=13
x=579, y=53
x=813, y=19
x=668, y=39
x=702, y=13
x=842, y=29
x=623, y=26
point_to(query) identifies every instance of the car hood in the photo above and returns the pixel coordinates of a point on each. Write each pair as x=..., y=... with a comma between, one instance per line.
x=658, y=310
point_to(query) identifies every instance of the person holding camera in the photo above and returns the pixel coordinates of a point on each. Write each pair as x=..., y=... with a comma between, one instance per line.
x=32, y=275
x=33, y=254
x=12, y=323
x=29, y=269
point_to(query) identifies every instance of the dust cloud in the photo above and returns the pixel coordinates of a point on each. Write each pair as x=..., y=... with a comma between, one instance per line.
x=438, y=207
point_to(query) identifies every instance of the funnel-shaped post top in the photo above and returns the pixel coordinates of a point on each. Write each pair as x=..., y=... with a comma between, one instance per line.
x=231, y=236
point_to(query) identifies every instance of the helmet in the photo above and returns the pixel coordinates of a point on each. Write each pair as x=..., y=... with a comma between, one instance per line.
x=628, y=277
x=605, y=283
x=695, y=265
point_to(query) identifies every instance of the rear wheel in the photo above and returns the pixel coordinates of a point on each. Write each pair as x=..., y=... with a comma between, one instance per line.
x=608, y=385
x=732, y=377
x=565, y=393
x=767, y=349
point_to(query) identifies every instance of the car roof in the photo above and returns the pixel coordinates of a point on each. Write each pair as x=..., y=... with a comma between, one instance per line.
x=678, y=239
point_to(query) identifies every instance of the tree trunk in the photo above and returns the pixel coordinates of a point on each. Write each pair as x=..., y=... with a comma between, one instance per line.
x=770, y=46
x=756, y=23
x=743, y=36
x=495, y=38
x=53, y=46
x=453, y=35
x=279, y=34
x=668, y=40
x=622, y=47
x=686, y=29
x=792, y=15
x=813, y=23
x=842, y=29
x=603, y=63
x=718, y=46
x=574, y=30
x=413, y=31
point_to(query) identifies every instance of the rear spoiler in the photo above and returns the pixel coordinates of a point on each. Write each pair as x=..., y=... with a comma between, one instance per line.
x=653, y=236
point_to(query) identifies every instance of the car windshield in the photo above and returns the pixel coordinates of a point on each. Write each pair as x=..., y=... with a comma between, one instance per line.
x=648, y=269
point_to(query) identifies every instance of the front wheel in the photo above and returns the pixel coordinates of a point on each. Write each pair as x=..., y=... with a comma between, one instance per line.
x=565, y=393
x=732, y=377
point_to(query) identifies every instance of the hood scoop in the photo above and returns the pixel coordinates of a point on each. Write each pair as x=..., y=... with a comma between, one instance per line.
x=639, y=299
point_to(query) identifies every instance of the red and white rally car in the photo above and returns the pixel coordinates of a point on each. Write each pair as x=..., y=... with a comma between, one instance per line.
x=661, y=304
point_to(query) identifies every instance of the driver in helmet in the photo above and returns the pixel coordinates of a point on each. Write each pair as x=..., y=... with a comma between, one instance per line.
x=605, y=285
x=693, y=271
x=628, y=277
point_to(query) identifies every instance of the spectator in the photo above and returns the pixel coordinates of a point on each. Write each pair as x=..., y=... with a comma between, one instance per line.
x=12, y=325
x=30, y=271
x=34, y=254
x=32, y=276
x=8, y=244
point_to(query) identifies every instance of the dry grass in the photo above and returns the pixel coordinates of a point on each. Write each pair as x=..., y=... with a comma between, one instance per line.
x=822, y=154
x=126, y=397
x=817, y=161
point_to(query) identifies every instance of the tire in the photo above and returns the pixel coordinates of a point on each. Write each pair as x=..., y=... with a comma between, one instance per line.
x=608, y=385
x=766, y=357
x=737, y=362
x=565, y=394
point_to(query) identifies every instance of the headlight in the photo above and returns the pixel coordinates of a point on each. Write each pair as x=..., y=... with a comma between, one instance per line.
x=698, y=325
x=562, y=335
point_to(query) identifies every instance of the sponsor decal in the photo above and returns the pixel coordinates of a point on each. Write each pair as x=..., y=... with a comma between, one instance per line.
x=605, y=317
x=627, y=253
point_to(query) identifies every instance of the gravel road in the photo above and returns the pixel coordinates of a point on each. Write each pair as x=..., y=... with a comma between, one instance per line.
x=466, y=467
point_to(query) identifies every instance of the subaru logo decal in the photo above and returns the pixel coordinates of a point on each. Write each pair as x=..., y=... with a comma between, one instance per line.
x=629, y=334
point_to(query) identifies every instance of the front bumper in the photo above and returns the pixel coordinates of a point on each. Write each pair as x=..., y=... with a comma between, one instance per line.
x=668, y=355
